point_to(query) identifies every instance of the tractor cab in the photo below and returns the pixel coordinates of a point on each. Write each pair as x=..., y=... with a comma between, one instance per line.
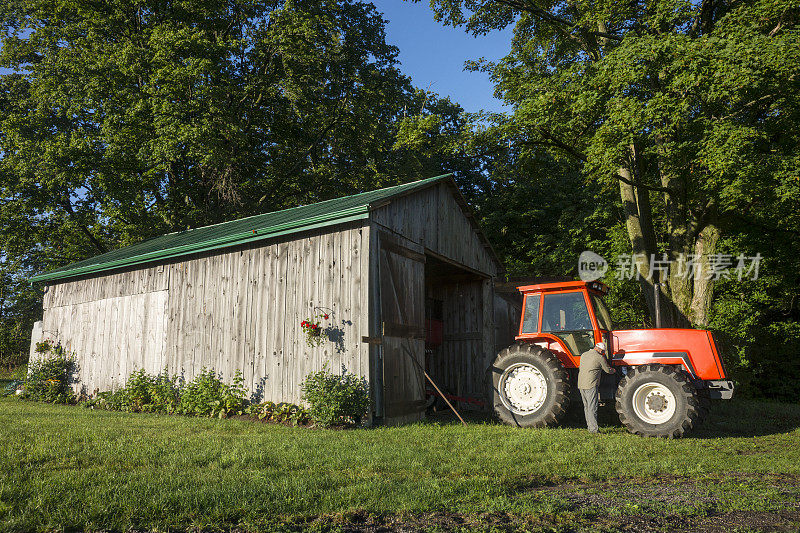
x=566, y=318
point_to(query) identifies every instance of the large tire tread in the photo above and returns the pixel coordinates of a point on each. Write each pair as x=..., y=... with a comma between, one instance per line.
x=704, y=407
x=561, y=390
x=692, y=413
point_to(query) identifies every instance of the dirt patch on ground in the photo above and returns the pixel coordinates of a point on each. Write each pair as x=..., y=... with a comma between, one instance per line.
x=665, y=492
x=648, y=505
x=751, y=521
x=783, y=521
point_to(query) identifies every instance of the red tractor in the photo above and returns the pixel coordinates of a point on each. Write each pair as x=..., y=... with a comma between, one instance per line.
x=664, y=380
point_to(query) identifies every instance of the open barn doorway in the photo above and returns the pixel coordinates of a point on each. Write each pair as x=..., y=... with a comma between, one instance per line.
x=454, y=333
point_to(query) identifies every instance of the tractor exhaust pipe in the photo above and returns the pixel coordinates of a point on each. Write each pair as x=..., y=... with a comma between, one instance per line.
x=657, y=303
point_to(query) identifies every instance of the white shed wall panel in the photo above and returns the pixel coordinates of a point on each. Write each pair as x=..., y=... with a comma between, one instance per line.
x=111, y=337
x=128, y=282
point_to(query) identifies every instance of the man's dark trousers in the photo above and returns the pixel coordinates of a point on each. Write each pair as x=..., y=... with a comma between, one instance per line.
x=590, y=400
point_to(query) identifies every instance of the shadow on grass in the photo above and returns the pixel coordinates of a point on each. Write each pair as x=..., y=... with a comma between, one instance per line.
x=729, y=418
x=749, y=418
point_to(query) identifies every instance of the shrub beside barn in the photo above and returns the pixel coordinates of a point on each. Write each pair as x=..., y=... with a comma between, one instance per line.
x=404, y=274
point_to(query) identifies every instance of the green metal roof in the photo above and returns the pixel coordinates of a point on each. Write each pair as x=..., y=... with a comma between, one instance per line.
x=226, y=234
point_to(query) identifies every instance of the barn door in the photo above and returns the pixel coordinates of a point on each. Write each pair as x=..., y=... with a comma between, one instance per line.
x=402, y=286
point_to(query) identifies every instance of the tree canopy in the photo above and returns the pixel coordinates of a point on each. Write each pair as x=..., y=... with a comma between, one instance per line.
x=667, y=129
x=689, y=109
x=125, y=120
x=673, y=124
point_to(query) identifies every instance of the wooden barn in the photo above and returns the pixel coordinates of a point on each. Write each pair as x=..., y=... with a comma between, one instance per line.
x=404, y=274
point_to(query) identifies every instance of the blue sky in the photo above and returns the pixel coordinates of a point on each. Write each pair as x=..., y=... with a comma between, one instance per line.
x=433, y=55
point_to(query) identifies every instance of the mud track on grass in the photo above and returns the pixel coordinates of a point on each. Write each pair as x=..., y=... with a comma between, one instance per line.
x=667, y=503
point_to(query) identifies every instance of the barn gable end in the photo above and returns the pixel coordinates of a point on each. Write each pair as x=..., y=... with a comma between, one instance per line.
x=439, y=220
x=430, y=263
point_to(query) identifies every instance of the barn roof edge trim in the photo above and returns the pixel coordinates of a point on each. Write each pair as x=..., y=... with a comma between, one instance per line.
x=249, y=229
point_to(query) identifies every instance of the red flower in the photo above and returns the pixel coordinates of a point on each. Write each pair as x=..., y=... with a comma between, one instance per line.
x=325, y=316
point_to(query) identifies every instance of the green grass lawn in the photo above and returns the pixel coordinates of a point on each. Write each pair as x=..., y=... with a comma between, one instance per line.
x=65, y=467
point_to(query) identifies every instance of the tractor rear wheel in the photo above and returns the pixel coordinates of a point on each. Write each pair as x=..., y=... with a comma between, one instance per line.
x=703, y=409
x=657, y=401
x=530, y=386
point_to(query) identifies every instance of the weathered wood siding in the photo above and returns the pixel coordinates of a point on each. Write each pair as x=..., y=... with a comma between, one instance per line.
x=459, y=364
x=114, y=324
x=36, y=337
x=401, y=271
x=433, y=219
x=432, y=222
x=507, y=312
x=240, y=309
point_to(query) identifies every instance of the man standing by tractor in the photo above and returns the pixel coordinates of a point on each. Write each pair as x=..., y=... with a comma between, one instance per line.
x=592, y=362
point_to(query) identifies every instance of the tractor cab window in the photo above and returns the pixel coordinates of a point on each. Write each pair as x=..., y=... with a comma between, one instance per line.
x=565, y=312
x=601, y=312
x=566, y=316
x=530, y=322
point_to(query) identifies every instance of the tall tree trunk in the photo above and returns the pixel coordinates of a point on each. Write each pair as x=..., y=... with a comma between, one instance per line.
x=641, y=233
x=685, y=296
x=691, y=283
x=680, y=245
x=687, y=290
x=639, y=223
x=703, y=290
x=678, y=287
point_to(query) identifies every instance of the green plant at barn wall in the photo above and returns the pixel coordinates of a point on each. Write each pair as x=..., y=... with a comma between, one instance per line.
x=145, y=393
x=51, y=375
x=335, y=399
x=281, y=412
x=208, y=395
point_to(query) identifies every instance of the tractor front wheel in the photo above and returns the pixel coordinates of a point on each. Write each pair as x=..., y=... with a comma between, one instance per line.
x=657, y=401
x=530, y=386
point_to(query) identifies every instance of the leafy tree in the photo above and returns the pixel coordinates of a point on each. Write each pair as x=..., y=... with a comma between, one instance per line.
x=121, y=121
x=688, y=110
x=168, y=115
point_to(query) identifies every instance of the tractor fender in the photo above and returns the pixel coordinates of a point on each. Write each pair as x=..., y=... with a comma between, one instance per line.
x=555, y=345
x=693, y=349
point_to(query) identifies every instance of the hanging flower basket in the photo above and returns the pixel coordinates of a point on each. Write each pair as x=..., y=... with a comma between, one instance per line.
x=313, y=329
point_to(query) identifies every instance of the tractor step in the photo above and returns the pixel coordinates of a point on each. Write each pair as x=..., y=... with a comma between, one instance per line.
x=721, y=389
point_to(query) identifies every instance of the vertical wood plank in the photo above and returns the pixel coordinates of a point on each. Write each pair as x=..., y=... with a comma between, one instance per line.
x=280, y=340
x=293, y=302
x=263, y=309
x=344, y=251
x=363, y=296
x=247, y=330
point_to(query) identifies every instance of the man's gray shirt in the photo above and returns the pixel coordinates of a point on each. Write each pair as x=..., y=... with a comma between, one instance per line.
x=592, y=362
